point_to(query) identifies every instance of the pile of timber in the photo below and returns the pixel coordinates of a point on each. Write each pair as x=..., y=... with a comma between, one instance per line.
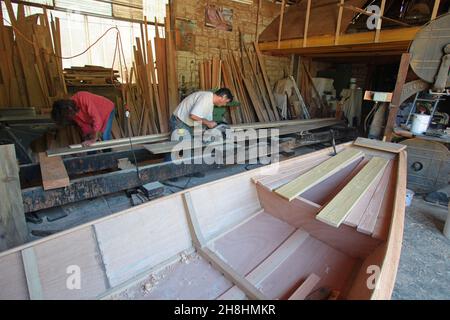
x=91, y=75
x=30, y=65
x=151, y=91
x=245, y=75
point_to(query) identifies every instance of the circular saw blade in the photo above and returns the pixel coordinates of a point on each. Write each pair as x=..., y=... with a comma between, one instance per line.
x=428, y=165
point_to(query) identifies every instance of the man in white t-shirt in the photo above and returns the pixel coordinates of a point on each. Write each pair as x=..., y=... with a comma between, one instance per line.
x=198, y=107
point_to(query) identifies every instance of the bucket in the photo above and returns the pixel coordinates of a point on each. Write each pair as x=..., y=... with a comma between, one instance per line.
x=420, y=123
x=409, y=197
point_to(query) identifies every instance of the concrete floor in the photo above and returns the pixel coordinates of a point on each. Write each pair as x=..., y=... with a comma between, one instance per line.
x=424, y=271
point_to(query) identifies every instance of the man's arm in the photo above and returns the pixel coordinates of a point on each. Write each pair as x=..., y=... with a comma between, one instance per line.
x=209, y=124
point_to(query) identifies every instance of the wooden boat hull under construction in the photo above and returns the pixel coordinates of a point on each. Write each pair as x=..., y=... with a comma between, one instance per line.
x=234, y=238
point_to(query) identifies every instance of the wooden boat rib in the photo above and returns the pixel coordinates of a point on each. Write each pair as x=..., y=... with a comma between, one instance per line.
x=234, y=238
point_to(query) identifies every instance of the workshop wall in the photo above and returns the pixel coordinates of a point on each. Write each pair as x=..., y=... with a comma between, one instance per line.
x=210, y=42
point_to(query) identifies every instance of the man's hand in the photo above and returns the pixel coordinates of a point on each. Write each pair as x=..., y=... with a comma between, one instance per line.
x=87, y=143
x=211, y=124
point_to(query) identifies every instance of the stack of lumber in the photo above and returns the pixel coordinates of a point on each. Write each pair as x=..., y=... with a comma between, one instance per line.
x=30, y=65
x=151, y=91
x=245, y=75
x=90, y=75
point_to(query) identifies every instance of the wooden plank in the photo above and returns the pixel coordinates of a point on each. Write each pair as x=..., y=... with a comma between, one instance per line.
x=326, y=169
x=305, y=33
x=339, y=22
x=116, y=143
x=200, y=244
x=344, y=239
x=379, y=145
x=250, y=290
x=337, y=209
x=356, y=213
x=196, y=233
x=260, y=59
x=369, y=219
x=280, y=27
x=54, y=174
x=306, y=287
x=32, y=274
x=380, y=21
x=270, y=264
x=13, y=228
x=400, y=37
x=435, y=9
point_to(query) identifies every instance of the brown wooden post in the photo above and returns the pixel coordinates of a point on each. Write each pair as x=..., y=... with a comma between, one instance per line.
x=305, y=34
x=338, y=26
x=397, y=95
x=280, y=27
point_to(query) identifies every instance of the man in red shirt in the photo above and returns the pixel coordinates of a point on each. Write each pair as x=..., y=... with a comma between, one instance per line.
x=92, y=113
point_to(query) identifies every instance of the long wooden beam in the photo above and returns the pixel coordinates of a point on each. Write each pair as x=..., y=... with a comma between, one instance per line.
x=117, y=143
x=398, y=39
x=280, y=27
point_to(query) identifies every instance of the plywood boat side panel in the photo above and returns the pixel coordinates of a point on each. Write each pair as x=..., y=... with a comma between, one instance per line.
x=344, y=238
x=58, y=260
x=145, y=237
x=391, y=260
x=220, y=206
x=13, y=284
x=387, y=256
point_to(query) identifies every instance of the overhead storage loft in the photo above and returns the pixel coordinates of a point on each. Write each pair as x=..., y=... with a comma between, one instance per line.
x=323, y=27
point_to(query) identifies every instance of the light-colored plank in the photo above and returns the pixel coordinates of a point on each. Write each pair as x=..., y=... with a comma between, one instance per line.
x=194, y=227
x=116, y=143
x=305, y=33
x=216, y=261
x=355, y=215
x=344, y=239
x=306, y=287
x=318, y=174
x=280, y=27
x=339, y=22
x=32, y=274
x=261, y=272
x=249, y=289
x=13, y=228
x=369, y=219
x=53, y=171
x=379, y=145
x=380, y=21
x=435, y=9
x=337, y=210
